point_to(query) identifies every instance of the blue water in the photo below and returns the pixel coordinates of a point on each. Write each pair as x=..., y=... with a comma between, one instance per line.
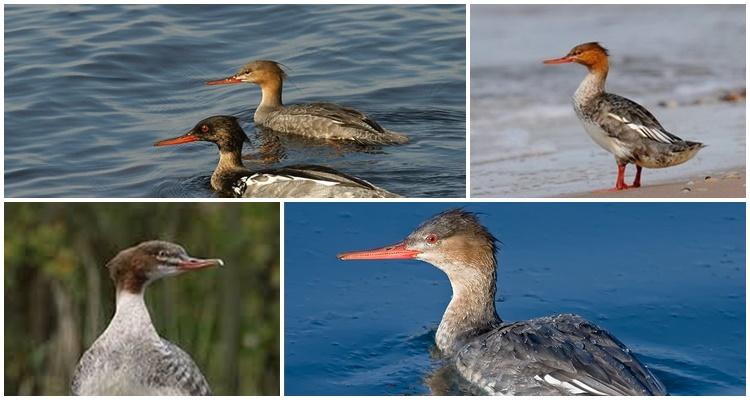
x=666, y=279
x=89, y=88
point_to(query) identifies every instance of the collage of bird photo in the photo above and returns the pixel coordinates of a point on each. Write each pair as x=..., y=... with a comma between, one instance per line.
x=468, y=198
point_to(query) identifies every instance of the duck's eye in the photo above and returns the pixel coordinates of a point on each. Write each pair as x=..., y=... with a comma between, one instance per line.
x=431, y=238
x=162, y=254
x=204, y=128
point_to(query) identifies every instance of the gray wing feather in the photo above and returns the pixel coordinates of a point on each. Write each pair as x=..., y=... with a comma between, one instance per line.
x=174, y=368
x=622, y=116
x=562, y=354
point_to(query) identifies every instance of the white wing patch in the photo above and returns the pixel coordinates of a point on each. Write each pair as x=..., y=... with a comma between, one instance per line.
x=577, y=387
x=650, y=133
x=265, y=179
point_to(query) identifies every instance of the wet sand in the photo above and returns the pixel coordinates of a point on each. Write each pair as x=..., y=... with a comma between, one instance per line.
x=725, y=184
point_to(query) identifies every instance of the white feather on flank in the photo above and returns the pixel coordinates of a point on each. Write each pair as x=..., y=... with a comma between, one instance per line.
x=577, y=387
x=270, y=179
x=644, y=131
x=266, y=179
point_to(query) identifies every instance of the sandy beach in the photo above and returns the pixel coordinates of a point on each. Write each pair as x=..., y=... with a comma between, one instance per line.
x=725, y=184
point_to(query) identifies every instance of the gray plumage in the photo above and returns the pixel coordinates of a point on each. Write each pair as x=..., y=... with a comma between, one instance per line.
x=137, y=365
x=327, y=121
x=639, y=136
x=531, y=357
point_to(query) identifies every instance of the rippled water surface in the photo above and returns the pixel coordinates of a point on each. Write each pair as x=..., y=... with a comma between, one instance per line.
x=88, y=89
x=668, y=280
x=526, y=139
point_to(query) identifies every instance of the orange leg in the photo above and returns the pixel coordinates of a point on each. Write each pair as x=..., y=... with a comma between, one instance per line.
x=620, y=184
x=637, y=180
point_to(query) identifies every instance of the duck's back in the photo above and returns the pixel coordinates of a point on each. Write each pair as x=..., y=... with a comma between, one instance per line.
x=137, y=367
x=557, y=355
x=329, y=121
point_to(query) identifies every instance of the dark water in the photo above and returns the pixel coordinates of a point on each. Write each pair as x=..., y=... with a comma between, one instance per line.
x=666, y=279
x=88, y=89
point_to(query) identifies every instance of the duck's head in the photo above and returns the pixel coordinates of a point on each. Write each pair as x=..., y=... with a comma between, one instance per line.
x=454, y=241
x=224, y=130
x=134, y=268
x=591, y=54
x=260, y=72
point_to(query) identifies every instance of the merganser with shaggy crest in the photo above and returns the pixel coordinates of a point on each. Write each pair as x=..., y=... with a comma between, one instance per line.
x=556, y=355
x=622, y=126
x=315, y=120
x=129, y=357
x=231, y=178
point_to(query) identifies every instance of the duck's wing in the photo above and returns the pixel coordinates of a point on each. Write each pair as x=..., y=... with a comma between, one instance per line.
x=174, y=368
x=304, y=181
x=624, y=118
x=345, y=116
x=85, y=365
x=562, y=354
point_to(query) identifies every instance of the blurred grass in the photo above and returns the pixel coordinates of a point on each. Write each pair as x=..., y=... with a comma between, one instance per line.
x=59, y=298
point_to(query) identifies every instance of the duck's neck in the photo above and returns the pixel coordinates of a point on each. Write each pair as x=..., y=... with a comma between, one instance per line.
x=593, y=84
x=131, y=316
x=270, y=98
x=229, y=161
x=471, y=310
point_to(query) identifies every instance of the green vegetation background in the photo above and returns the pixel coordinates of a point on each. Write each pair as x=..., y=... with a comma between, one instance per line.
x=59, y=298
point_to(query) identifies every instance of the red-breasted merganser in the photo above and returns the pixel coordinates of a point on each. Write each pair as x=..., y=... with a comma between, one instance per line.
x=316, y=120
x=621, y=126
x=231, y=178
x=129, y=357
x=555, y=355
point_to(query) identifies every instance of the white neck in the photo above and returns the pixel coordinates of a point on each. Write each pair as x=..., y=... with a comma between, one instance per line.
x=131, y=316
x=591, y=86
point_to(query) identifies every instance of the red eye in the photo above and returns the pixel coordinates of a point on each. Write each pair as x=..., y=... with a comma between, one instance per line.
x=431, y=239
x=204, y=128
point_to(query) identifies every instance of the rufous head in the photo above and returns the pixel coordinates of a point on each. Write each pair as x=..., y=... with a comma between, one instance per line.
x=260, y=72
x=454, y=241
x=134, y=268
x=591, y=54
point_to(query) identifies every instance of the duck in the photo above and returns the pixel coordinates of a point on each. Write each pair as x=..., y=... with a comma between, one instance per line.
x=619, y=125
x=231, y=178
x=313, y=120
x=555, y=355
x=129, y=357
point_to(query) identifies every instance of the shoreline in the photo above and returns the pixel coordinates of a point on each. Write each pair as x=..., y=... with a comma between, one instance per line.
x=728, y=183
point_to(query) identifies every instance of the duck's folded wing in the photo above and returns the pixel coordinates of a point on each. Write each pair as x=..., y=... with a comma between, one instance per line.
x=564, y=354
x=625, y=118
x=173, y=368
x=341, y=115
x=321, y=174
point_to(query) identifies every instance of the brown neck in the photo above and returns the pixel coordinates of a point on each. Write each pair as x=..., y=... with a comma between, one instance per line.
x=600, y=68
x=229, y=160
x=271, y=92
x=471, y=310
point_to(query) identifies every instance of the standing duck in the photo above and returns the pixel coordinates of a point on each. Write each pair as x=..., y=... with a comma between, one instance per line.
x=129, y=357
x=314, y=120
x=622, y=126
x=231, y=178
x=555, y=355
